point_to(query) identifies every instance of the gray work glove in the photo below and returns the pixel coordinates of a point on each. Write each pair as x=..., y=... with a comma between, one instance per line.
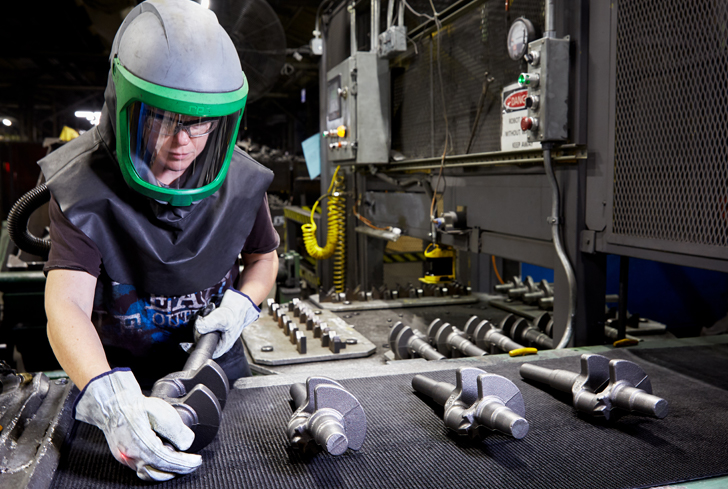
x=114, y=403
x=235, y=312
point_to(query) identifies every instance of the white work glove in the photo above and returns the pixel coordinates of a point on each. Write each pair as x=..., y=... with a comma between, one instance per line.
x=114, y=403
x=235, y=312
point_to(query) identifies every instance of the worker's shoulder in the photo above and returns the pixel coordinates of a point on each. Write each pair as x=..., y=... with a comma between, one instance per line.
x=74, y=150
x=246, y=161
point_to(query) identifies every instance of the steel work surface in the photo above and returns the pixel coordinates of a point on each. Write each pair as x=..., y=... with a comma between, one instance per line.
x=407, y=445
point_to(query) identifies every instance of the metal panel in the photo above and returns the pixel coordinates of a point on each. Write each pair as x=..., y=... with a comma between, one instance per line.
x=407, y=211
x=670, y=173
x=508, y=204
x=357, y=95
x=470, y=45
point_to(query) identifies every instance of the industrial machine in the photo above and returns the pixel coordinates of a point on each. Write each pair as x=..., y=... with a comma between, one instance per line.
x=468, y=136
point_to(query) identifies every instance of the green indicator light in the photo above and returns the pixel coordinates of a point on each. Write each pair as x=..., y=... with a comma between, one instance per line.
x=522, y=80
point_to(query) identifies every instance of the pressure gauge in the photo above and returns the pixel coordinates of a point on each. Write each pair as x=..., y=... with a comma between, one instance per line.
x=519, y=35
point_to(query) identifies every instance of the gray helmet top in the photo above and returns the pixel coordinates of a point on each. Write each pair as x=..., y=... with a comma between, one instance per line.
x=176, y=44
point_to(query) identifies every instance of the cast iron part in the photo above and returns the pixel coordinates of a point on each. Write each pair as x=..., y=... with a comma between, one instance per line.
x=478, y=399
x=200, y=390
x=603, y=385
x=521, y=331
x=406, y=344
x=327, y=415
x=486, y=335
x=450, y=341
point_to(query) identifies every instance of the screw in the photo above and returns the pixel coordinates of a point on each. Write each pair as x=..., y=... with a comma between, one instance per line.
x=266, y=348
x=351, y=341
x=61, y=382
x=317, y=312
x=347, y=303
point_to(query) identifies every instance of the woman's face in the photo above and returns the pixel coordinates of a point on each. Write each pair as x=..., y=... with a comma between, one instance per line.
x=175, y=153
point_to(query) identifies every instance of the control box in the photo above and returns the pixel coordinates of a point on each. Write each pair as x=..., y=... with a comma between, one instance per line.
x=357, y=111
x=547, y=81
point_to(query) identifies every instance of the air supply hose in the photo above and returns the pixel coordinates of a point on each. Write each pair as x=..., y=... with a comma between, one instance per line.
x=18, y=222
x=336, y=234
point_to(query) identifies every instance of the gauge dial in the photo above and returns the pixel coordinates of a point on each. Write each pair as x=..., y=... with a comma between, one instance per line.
x=519, y=35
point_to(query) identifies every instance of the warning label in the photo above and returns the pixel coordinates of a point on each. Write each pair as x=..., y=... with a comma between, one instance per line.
x=514, y=109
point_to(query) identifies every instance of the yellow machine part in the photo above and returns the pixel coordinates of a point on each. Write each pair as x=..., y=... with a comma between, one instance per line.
x=435, y=255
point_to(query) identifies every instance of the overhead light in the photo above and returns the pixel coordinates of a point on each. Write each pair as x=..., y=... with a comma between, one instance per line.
x=7, y=122
x=93, y=117
x=205, y=3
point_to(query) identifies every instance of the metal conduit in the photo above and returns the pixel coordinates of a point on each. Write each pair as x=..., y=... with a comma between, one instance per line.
x=554, y=222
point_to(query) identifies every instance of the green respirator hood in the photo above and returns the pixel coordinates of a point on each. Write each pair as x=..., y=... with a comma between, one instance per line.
x=130, y=89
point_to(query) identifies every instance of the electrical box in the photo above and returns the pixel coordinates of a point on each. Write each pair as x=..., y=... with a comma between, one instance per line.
x=393, y=41
x=547, y=81
x=357, y=111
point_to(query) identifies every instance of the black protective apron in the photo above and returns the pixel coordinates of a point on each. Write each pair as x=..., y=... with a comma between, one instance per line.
x=156, y=247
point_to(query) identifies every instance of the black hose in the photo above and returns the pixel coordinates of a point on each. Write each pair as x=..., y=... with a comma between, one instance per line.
x=18, y=222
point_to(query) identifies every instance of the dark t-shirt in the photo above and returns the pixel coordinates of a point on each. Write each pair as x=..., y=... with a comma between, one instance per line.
x=130, y=320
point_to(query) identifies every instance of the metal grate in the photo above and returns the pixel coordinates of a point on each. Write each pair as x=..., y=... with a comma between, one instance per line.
x=470, y=45
x=671, y=148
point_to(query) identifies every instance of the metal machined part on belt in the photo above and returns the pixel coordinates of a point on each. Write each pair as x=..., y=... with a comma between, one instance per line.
x=521, y=330
x=602, y=385
x=450, y=341
x=487, y=335
x=326, y=415
x=405, y=344
x=478, y=399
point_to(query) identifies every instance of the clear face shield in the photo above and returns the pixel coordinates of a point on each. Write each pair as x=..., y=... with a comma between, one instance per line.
x=178, y=151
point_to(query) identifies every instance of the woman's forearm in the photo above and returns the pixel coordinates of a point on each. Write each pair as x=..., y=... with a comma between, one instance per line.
x=75, y=342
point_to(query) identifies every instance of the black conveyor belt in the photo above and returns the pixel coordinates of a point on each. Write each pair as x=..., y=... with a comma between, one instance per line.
x=407, y=445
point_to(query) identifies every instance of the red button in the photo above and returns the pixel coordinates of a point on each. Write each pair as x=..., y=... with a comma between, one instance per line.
x=526, y=123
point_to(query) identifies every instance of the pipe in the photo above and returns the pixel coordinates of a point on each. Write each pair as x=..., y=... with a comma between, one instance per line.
x=549, y=31
x=555, y=228
x=18, y=222
x=374, y=34
x=623, y=294
x=352, y=28
x=390, y=13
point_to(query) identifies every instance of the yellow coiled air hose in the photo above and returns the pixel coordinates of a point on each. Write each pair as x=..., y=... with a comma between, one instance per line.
x=336, y=234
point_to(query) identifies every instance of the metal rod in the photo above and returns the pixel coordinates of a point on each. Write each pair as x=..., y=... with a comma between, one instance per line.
x=623, y=290
x=298, y=394
x=352, y=29
x=203, y=351
x=374, y=34
x=520, y=161
x=549, y=31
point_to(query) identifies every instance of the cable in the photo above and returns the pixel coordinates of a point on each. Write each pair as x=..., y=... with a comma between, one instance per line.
x=336, y=233
x=416, y=12
x=448, y=138
x=555, y=228
x=495, y=269
x=366, y=221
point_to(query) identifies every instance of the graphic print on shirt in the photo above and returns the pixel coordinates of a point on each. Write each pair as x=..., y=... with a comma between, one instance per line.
x=136, y=321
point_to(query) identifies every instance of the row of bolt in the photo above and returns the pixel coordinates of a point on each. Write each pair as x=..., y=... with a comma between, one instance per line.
x=307, y=317
x=409, y=291
x=528, y=291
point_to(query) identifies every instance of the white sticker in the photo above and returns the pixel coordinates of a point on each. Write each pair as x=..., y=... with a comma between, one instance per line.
x=514, y=109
